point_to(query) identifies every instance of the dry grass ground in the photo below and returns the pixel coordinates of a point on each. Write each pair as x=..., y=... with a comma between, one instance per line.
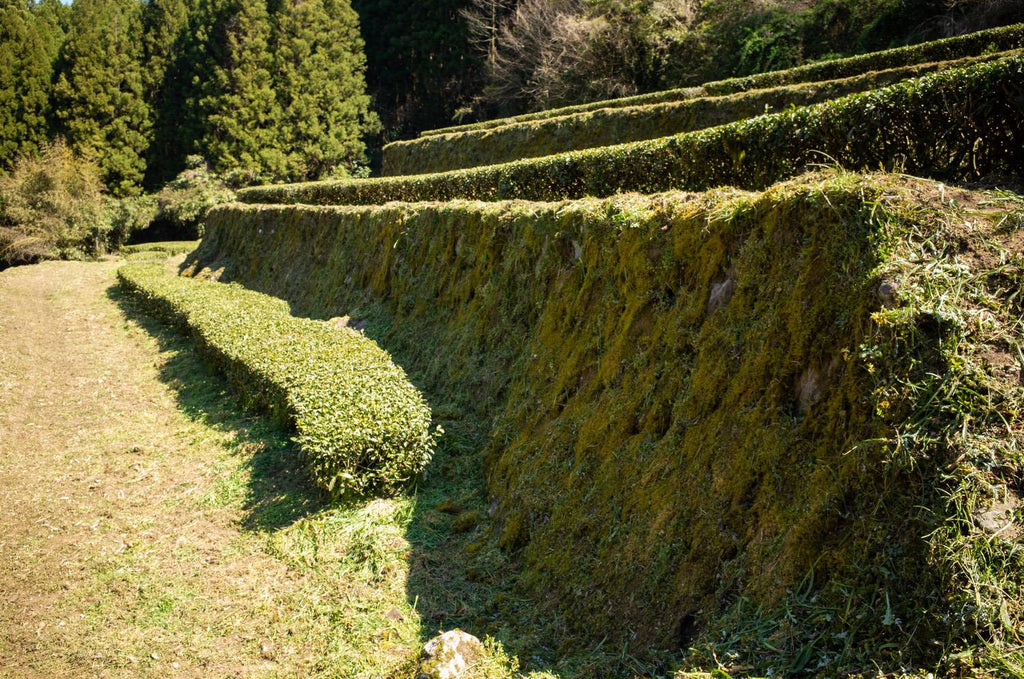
x=147, y=529
x=150, y=529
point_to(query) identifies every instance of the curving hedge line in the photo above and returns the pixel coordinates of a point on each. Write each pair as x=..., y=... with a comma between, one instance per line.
x=362, y=426
x=994, y=40
x=158, y=249
x=605, y=127
x=956, y=125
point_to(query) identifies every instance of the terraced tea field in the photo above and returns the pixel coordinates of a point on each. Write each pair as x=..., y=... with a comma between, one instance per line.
x=725, y=379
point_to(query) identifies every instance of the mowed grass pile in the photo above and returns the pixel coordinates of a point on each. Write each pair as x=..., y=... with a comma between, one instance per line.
x=991, y=40
x=959, y=124
x=362, y=426
x=605, y=127
x=757, y=426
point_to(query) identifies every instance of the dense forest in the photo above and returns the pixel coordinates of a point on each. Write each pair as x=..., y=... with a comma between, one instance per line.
x=272, y=90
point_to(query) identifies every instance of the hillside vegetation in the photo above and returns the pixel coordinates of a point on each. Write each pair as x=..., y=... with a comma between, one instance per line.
x=770, y=426
x=958, y=124
x=619, y=125
x=996, y=39
x=475, y=60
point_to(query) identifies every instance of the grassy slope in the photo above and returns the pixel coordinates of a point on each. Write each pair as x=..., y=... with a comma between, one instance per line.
x=620, y=359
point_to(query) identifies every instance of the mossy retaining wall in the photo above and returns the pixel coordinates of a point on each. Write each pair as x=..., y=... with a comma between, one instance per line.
x=686, y=394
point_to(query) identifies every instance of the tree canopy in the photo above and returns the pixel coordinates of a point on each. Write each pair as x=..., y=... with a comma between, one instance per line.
x=98, y=94
x=264, y=90
x=25, y=72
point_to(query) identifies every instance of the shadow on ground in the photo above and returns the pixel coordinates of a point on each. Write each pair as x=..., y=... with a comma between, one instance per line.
x=278, y=493
x=458, y=577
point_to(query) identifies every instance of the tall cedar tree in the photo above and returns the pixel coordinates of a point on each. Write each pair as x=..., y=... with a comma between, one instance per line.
x=421, y=66
x=163, y=22
x=170, y=80
x=98, y=95
x=321, y=89
x=25, y=74
x=53, y=18
x=240, y=105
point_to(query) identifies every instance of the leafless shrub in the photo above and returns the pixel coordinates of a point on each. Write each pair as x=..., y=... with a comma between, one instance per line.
x=542, y=53
x=966, y=16
x=483, y=20
x=548, y=52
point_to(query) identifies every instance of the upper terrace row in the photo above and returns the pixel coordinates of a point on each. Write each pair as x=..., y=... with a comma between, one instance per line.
x=958, y=124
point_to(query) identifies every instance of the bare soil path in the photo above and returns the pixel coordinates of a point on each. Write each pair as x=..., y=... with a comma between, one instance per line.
x=123, y=546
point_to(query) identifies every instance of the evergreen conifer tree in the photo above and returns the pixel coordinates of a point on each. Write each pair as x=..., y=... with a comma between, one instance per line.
x=25, y=72
x=421, y=65
x=52, y=20
x=164, y=22
x=320, y=69
x=98, y=95
x=170, y=83
x=240, y=105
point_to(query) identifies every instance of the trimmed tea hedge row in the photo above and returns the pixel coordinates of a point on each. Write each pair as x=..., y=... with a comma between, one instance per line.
x=606, y=127
x=171, y=247
x=993, y=40
x=955, y=125
x=361, y=424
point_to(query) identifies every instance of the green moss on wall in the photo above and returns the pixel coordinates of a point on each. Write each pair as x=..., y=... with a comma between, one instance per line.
x=707, y=411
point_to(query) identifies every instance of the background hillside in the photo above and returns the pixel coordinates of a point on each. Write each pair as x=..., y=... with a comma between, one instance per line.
x=279, y=90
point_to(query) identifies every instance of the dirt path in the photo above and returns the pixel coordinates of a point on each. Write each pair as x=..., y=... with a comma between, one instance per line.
x=121, y=546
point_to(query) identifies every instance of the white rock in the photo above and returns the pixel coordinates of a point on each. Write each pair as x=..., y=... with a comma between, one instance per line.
x=449, y=655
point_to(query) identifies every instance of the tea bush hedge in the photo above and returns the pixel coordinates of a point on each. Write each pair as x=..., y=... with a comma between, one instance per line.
x=605, y=127
x=361, y=425
x=168, y=248
x=991, y=40
x=956, y=125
